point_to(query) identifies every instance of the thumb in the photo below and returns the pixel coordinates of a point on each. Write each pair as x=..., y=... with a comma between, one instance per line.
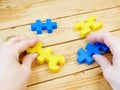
x=102, y=61
x=28, y=59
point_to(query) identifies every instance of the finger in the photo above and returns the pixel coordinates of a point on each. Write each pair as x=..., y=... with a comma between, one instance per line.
x=23, y=45
x=102, y=61
x=107, y=38
x=28, y=59
x=14, y=40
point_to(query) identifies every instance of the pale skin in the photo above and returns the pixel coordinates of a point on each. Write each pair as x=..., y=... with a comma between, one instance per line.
x=111, y=71
x=15, y=75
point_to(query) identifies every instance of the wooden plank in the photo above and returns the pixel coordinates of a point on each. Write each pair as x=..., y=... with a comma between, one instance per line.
x=117, y=2
x=65, y=31
x=86, y=80
x=22, y=12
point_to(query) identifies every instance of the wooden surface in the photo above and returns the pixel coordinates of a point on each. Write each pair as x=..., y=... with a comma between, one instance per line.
x=17, y=15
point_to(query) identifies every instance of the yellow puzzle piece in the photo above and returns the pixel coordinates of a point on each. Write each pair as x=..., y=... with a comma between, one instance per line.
x=45, y=55
x=36, y=48
x=87, y=26
x=53, y=61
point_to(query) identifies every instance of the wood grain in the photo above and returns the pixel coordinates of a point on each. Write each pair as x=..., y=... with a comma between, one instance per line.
x=23, y=12
x=65, y=32
x=86, y=80
x=17, y=15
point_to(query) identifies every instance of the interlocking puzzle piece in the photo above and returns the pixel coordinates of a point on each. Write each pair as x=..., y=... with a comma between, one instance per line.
x=53, y=61
x=48, y=25
x=84, y=57
x=91, y=49
x=87, y=26
x=46, y=56
x=35, y=49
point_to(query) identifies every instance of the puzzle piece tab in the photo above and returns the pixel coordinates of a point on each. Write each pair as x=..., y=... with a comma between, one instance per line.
x=87, y=26
x=91, y=49
x=40, y=26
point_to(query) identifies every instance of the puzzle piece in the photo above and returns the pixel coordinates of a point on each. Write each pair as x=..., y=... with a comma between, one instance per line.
x=39, y=26
x=45, y=55
x=91, y=49
x=53, y=61
x=87, y=26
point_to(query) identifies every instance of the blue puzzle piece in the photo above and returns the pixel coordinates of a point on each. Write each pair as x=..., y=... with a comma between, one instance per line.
x=92, y=49
x=95, y=48
x=84, y=57
x=39, y=26
x=101, y=46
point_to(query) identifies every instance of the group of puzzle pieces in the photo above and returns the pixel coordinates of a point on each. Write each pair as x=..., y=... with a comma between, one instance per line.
x=87, y=26
x=45, y=55
x=40, y=26
x=85, y=56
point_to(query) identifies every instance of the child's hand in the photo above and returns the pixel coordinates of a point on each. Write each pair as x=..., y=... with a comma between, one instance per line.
x=111, y=71
x=13, y=75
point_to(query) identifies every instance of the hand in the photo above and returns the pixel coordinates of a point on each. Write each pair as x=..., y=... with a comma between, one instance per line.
x=13, y=75
x=111, y=71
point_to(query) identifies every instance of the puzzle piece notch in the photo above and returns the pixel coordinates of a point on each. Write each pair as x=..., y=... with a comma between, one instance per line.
x=101, y=47
x=53, y=61
x=48, y=25
x=87, y=26
x=95, y=48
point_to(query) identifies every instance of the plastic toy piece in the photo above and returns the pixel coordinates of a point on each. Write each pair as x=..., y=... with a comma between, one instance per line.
x=53, y=61
x=91, y=49
x=84, y=57
x=87, y=26
x=40, y=26
x=46, y=56
x=35, y=49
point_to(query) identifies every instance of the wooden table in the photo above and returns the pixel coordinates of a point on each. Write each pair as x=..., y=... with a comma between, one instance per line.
x=17, y=15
